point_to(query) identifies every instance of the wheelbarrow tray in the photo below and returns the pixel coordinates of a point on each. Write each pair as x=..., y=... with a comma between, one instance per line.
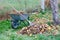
x=19, y=17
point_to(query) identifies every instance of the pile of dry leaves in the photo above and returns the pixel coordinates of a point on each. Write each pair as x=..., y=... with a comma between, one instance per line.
x=40, y=27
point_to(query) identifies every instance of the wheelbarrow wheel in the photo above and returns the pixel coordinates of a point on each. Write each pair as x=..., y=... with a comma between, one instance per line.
x=14, y=24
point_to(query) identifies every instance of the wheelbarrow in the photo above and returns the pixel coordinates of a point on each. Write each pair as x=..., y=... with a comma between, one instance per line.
x=15, y=18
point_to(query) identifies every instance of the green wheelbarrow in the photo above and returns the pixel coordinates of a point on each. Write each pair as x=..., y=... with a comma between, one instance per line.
x=15, y=18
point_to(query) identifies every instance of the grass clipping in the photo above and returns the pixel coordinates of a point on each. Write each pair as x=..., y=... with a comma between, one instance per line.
x=40, y=27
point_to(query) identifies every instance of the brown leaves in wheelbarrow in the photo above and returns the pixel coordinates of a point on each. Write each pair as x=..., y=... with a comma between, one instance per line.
x=38, y=28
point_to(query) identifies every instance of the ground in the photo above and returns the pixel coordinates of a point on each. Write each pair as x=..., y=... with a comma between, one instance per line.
x=7, y=33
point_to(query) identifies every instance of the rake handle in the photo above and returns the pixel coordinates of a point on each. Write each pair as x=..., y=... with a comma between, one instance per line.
x=19, y=13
